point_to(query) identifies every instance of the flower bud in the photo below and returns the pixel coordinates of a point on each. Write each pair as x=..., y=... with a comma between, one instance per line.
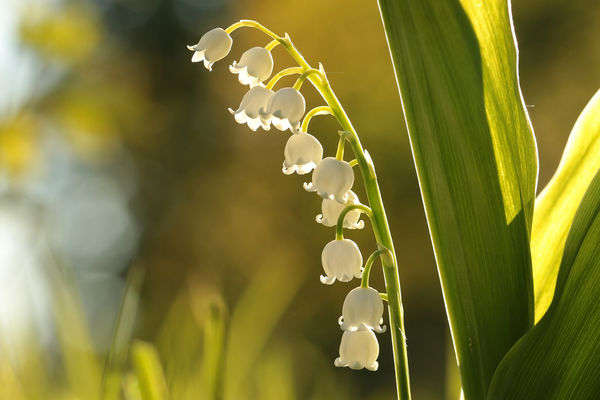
x=213, y=46
x=252, y=102
x=359, y=349
x=302, y=154
x=332, y=179
x=255, y=66
x=331, y=211
x=362, y=306
x=341, y=260
x=284, y=110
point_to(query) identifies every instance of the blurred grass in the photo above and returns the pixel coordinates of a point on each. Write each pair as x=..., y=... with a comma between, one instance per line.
x=190, y=359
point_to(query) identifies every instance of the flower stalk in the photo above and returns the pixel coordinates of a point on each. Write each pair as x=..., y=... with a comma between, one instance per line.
x=282, y=73
x=339, y=230
x=321, y=110
x=376, y=211
x=364, y=283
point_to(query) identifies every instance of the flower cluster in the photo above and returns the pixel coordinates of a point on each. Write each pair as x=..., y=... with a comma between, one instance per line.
x=332, y=180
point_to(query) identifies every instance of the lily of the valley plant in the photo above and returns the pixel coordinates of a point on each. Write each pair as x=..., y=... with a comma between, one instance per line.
x=284, y=108
x=520, y=275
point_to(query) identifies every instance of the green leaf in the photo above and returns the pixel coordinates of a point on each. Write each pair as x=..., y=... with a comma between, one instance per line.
x=559, y=357
x=556, y=205
x=475, y=155
x=149, y=371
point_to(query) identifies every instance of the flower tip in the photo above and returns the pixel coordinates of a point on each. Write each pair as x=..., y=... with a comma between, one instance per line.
x=380, y=329
x=191, y=47
x=309, y=187
x=198, y=56
x=339, y=199
x=325, y=280
x=208, y=65
x=288, y=170
x=338, y=363
x=373, y=367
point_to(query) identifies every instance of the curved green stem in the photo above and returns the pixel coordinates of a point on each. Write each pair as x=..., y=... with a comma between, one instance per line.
x=353, y=163
x=282, y=73
x=272, y=44
x=321, y=110
x=379, y=221
x=339, y=154
x=384, y=296
x=381, y=228
x=252, y=24
x=339, y=228
x=364, y=283
x=303, y=77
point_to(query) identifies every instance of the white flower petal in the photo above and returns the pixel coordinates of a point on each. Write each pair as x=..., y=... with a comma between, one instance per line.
x=309, y=187
x=358, y=349
x=213, y=46
x=341, y=260
x=255, y=66
x=331, y=211
x=252, y=102
x=302, y=153
x=198, y=56
x=332, y=179
x=285, y=109
x=362, y=306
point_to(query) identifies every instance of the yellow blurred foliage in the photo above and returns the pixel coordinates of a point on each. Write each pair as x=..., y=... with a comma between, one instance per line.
x=89, y=123
x=70, y=34
x=19, y=151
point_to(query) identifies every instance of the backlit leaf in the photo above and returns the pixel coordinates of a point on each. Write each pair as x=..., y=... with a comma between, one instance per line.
x=475, y=155
x=559, y=357
x=555, y=207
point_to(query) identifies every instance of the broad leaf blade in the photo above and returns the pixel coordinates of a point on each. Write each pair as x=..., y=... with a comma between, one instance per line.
x=559, y=357
x=556, y=205
x=476, y=161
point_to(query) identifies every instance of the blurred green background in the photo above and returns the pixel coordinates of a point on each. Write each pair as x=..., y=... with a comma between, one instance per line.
x=120, y=166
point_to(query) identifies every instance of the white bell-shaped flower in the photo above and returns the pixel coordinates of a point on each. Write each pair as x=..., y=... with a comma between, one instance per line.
x=213, y=46
x=341, y=260
x=302, y=153
x=332, y=179
x=255, y=66
x=252, y=102
x=359, y=349
x=362, y=306
x=331, y=211
x=284, y=110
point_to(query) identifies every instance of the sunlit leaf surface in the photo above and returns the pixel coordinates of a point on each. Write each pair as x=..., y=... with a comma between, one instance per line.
x=556, y=205
x=475, y=154
x=559, y=357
